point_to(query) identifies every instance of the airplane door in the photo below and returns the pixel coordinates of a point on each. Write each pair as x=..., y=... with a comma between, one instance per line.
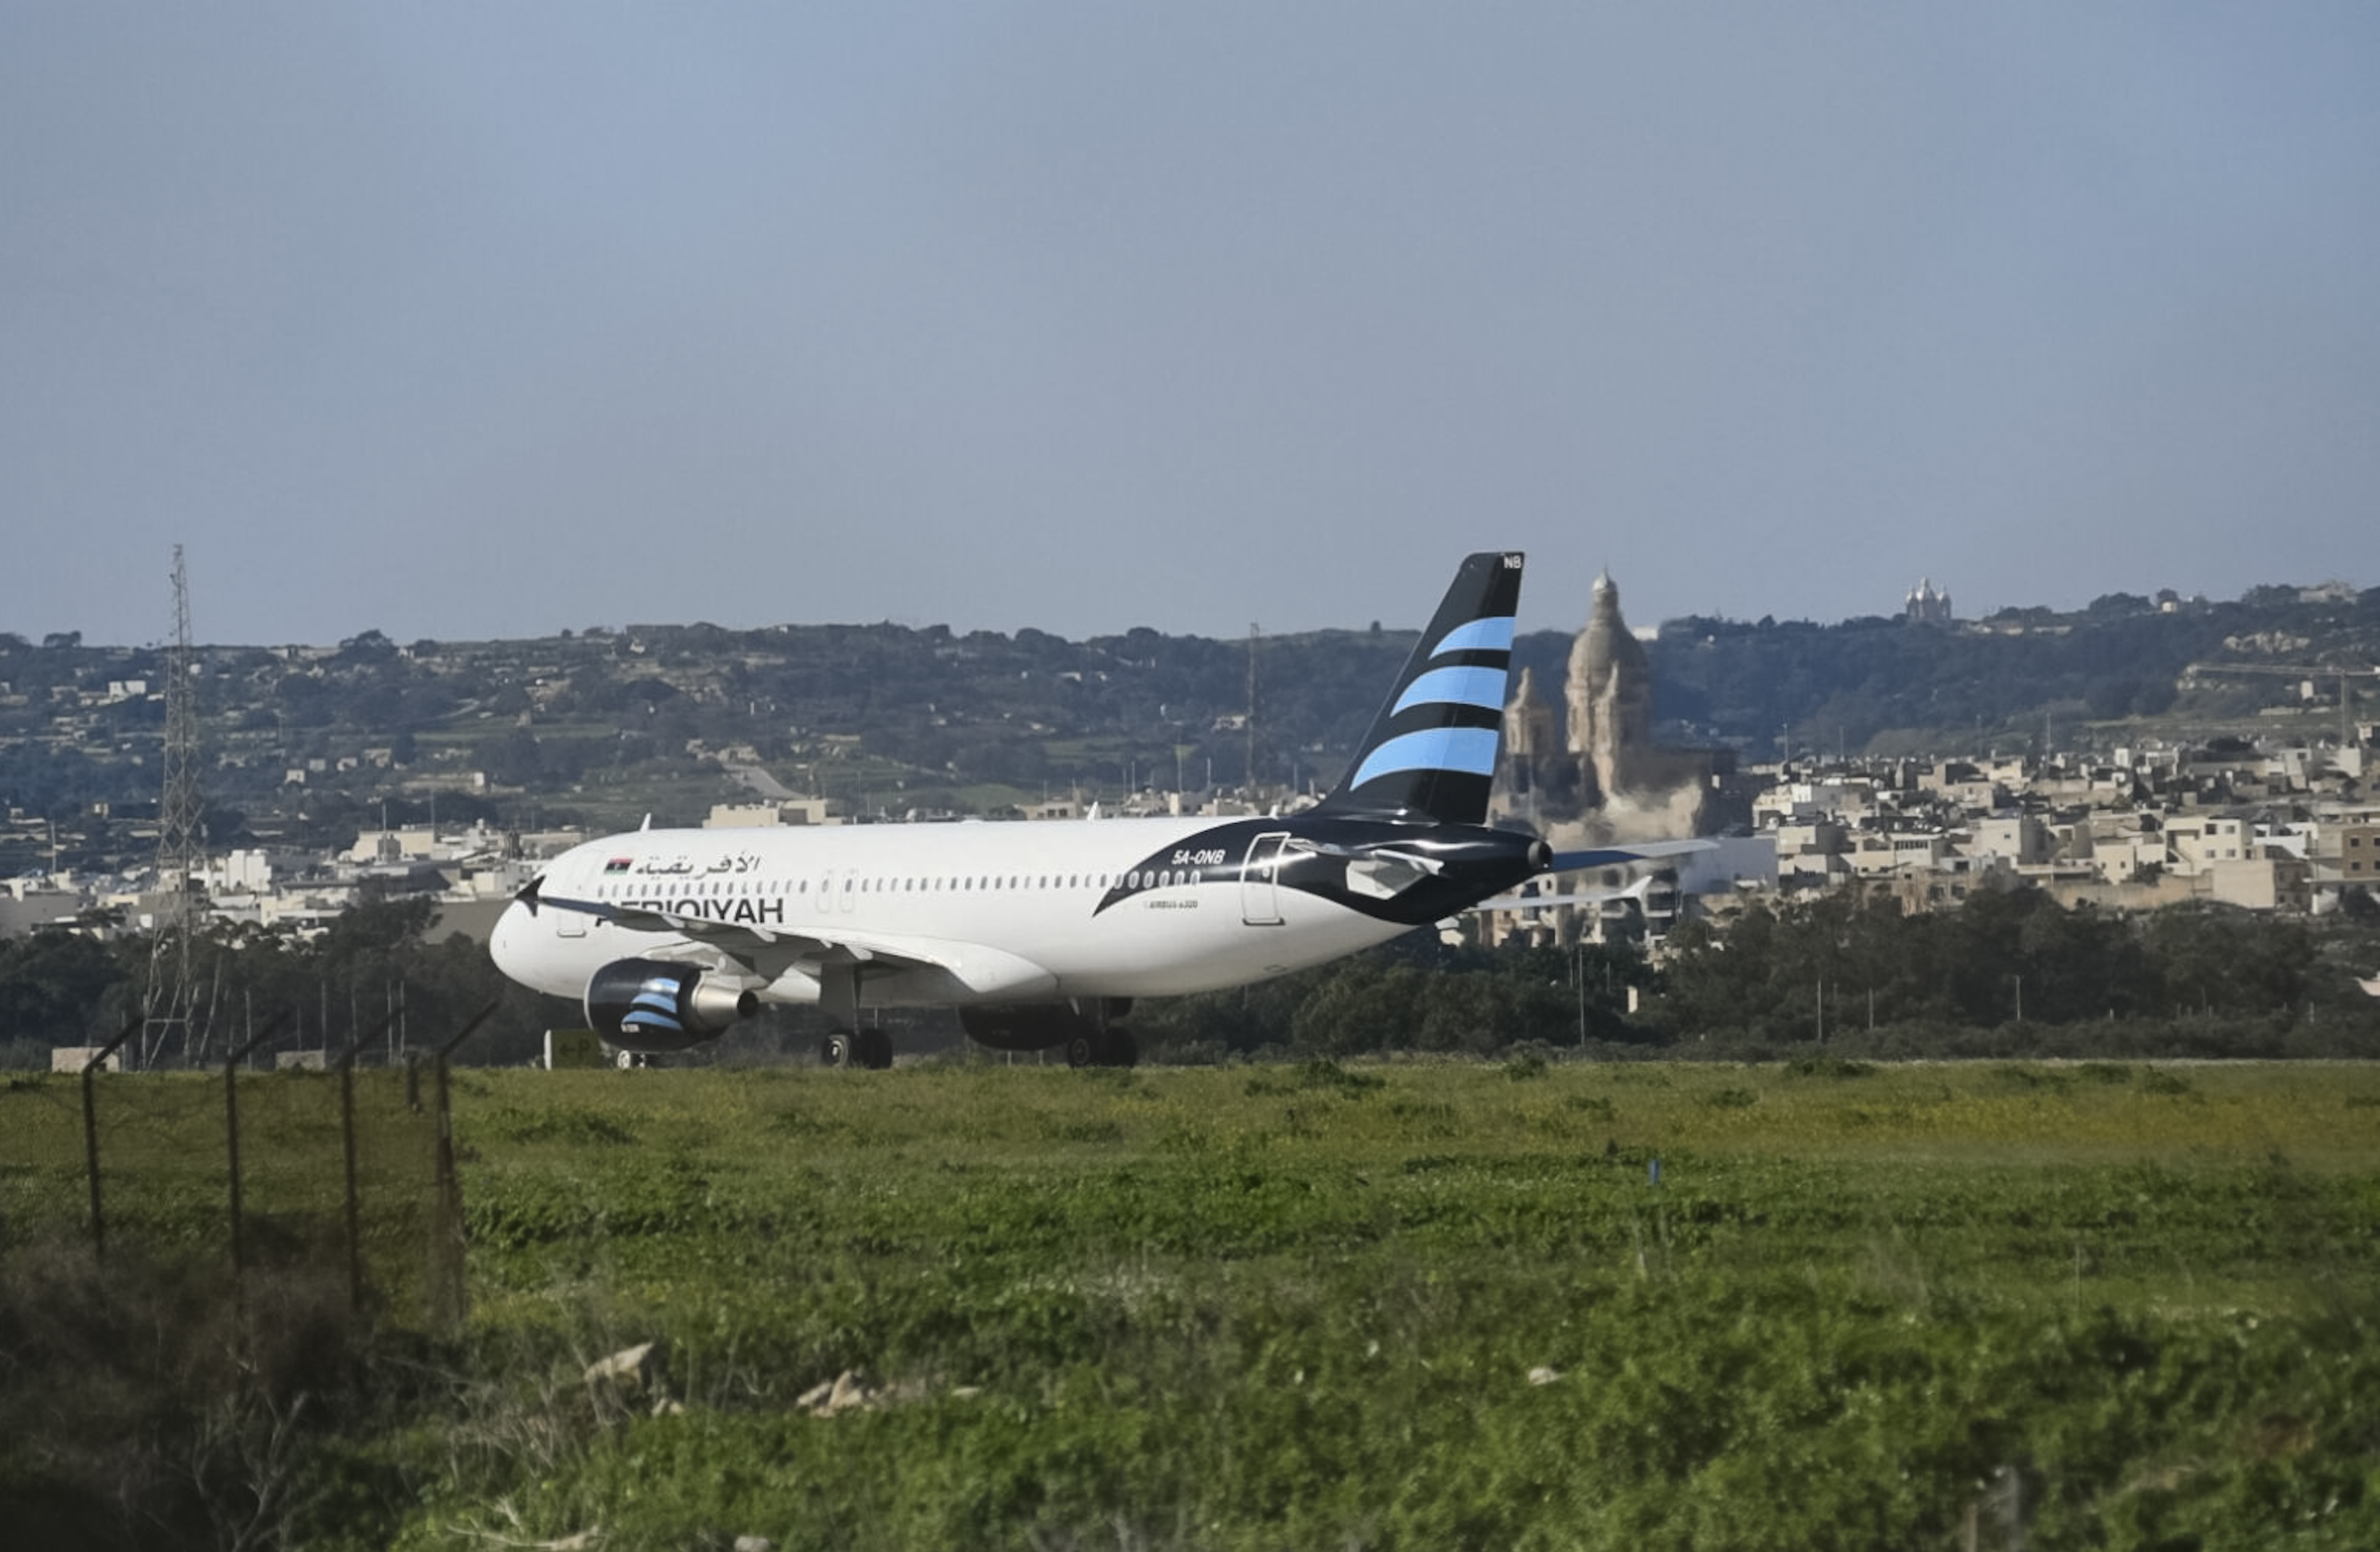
x=1260, y=881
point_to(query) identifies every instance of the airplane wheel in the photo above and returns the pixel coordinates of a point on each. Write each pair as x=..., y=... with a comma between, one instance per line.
x=838, y=1049
x=875, y=1050
x=1083, y=1050
x=1123, y=1050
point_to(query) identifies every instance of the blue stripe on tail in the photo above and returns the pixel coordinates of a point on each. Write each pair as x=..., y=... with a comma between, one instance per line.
x=1470, y=751
x=1455, y=687
x=1480, y=635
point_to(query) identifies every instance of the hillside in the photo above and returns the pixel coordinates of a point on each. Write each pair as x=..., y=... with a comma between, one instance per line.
x=305, y=743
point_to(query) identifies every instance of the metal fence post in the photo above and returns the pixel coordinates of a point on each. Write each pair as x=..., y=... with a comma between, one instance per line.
x=347, y=1140
x=448, y=1302
x=91, y=1133
x=231, y=1138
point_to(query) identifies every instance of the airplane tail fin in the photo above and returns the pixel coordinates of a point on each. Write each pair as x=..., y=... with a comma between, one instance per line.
x=1431, y=752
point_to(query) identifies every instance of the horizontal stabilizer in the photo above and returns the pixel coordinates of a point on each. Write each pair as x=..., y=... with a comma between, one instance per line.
x=1613, y=856
x=1636, y=891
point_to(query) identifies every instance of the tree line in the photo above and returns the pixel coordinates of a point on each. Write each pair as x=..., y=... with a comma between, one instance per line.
x=2008, y=971
x=72, y=986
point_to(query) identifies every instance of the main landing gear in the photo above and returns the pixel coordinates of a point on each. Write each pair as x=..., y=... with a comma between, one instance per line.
x=871, y=1048
x=1106, y=1048
x=846, y=1045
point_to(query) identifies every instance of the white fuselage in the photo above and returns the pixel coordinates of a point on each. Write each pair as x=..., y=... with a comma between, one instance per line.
x=1011, y=911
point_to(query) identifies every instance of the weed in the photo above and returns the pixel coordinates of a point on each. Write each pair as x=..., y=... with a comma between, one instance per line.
x=1321, y=1075
x=1829, y=1066
x=561, y=1124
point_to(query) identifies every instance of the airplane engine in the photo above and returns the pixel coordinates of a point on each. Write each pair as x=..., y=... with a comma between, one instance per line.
x=649, y=1005
x=1080, y=1026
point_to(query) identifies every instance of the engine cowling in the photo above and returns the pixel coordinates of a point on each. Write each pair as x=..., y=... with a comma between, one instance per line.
x=1038, y=1026
x=651, y=1004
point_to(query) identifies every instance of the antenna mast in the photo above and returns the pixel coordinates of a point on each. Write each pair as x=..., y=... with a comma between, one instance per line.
x=180, y=843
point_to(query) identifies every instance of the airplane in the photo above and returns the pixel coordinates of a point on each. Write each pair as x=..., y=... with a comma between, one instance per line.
x=1043, y=934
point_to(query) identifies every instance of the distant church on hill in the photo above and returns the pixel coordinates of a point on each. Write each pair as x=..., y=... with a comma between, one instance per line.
x=1926, y=606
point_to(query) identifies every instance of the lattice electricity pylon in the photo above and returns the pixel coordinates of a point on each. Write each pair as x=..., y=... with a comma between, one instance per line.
x=181, y=844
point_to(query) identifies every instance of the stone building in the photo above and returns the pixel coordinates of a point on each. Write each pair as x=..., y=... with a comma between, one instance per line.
x=1597, y=776
x=1610, y=697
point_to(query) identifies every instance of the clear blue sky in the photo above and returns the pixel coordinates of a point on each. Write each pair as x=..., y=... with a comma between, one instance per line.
x=463, y=320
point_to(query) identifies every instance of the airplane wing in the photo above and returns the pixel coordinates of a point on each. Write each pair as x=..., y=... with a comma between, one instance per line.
x=769, y=951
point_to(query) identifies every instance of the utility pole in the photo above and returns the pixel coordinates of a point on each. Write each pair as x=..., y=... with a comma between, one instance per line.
x=1256, y=632
x=181, y=854
x=1578, y=977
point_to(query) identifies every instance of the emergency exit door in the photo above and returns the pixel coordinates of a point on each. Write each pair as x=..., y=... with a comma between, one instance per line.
x=1260, y=880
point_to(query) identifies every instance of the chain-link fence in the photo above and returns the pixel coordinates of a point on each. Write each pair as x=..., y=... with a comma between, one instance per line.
x=328, y=1168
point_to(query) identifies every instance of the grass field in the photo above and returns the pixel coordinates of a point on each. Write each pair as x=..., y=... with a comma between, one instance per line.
x=1657, y=1305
